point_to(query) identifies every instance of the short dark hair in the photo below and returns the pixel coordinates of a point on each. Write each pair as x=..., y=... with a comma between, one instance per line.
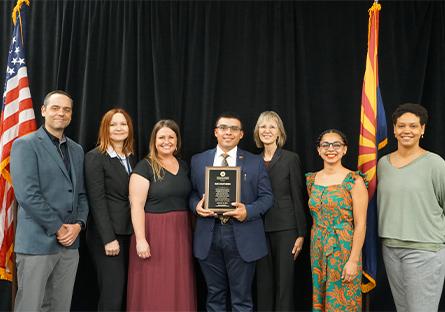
x=229, y=115
x=412, y=108
x=45, y=100
x=341, y=134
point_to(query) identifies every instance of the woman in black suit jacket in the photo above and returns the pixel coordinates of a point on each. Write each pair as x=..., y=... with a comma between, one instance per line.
x=107, y=170
x=285, y=222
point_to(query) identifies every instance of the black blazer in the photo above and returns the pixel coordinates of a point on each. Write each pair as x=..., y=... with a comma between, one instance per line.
x=107, y=188
x=288, y=189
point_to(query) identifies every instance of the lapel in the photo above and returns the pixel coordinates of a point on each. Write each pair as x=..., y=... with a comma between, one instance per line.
x=73, y=165
x=52, y=151
x=132, y=160
x=240, y=158
x=209, y=157
x=275, y=157
x=116, y=163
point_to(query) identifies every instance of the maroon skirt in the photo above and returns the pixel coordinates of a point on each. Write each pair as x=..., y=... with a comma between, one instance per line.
x=166, y=280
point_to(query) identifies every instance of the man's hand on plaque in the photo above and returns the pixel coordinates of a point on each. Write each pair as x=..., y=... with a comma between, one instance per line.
x=201, y=211
x=239, y=213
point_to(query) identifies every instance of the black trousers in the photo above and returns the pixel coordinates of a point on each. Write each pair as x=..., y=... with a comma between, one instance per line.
x=275, y=273
x=111, y=272
x=5, y=295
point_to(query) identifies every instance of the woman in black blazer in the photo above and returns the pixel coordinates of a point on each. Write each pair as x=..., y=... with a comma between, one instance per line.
x=107, y=170
x=285, y=222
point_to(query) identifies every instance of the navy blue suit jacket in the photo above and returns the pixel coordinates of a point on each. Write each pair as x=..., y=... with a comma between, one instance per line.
x=256, y=195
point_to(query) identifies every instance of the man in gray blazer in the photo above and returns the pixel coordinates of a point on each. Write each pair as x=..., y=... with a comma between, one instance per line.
x=47, y=175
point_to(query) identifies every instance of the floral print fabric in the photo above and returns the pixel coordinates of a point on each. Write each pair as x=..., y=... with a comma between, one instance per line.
x=331, y=244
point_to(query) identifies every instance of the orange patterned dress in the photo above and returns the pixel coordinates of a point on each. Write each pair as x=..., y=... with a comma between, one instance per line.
x=331, y=244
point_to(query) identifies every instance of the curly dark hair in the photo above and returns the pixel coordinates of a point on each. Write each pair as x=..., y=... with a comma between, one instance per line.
x=412, y=108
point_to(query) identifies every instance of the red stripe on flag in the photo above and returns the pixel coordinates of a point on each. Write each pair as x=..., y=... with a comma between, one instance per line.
x=368, y=135
x=14, y=118
x=372, y=41
x=367, y=108
x=27, y=127
x=366, y=150
x=13, y=94
x=365, y=167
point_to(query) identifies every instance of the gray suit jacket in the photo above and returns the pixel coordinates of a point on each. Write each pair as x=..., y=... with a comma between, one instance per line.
x=47, y=197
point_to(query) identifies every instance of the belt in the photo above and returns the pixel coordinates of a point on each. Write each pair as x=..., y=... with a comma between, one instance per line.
x=330, y=241
x=223, y=219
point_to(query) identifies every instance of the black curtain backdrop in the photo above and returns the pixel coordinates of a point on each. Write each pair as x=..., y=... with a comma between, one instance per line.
x=190, y=60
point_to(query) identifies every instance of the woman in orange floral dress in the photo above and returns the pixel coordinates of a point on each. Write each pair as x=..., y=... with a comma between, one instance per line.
x=338, y=201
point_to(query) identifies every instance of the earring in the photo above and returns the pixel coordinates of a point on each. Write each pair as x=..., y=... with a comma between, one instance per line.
x=421, y=136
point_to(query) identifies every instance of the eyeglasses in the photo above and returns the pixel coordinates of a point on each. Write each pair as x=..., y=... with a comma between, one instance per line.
x=335, y=145
x=226, y=127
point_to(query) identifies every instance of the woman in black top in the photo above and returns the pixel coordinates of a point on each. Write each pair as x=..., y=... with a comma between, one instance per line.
x=107, y=169
x=285, y=222
x=161, y=275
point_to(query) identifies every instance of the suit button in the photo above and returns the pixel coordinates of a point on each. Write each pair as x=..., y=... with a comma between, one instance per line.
x=70, y=191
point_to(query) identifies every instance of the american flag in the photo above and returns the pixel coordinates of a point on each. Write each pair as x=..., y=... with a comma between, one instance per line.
x=17, y=119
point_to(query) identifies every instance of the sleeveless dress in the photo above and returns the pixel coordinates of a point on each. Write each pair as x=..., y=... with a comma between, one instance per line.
x=331, y=244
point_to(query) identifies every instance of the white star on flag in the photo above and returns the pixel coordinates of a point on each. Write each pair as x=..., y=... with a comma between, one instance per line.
x=10, y=70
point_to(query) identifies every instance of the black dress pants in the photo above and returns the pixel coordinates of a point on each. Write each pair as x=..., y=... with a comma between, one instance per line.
x=275, y=273
x=111, y=272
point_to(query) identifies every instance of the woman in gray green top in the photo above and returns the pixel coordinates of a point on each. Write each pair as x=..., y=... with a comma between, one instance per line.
x=411, y=196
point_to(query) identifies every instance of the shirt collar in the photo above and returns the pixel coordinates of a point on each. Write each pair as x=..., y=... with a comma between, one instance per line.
x=232, y=153
x=112, y=153
x=55, y=139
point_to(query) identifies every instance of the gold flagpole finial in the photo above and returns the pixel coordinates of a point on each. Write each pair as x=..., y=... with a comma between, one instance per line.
x=17, y=8
x=376, y=6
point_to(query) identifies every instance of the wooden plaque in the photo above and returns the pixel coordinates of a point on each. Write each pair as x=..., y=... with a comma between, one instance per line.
x=222, y=187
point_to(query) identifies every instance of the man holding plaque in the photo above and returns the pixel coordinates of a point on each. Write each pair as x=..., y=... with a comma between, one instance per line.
x=228, y=241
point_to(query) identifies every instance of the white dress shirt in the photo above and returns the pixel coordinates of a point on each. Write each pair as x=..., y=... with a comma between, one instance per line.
x=123, y=159
x=231, y=159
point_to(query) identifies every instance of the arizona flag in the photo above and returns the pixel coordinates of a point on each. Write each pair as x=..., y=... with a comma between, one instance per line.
x=17, y=119
x=372, y=139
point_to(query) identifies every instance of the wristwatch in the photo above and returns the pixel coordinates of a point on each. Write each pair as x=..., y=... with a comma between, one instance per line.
x=82, y=224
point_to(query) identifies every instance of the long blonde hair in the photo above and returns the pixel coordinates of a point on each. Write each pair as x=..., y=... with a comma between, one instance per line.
x=152, y=156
